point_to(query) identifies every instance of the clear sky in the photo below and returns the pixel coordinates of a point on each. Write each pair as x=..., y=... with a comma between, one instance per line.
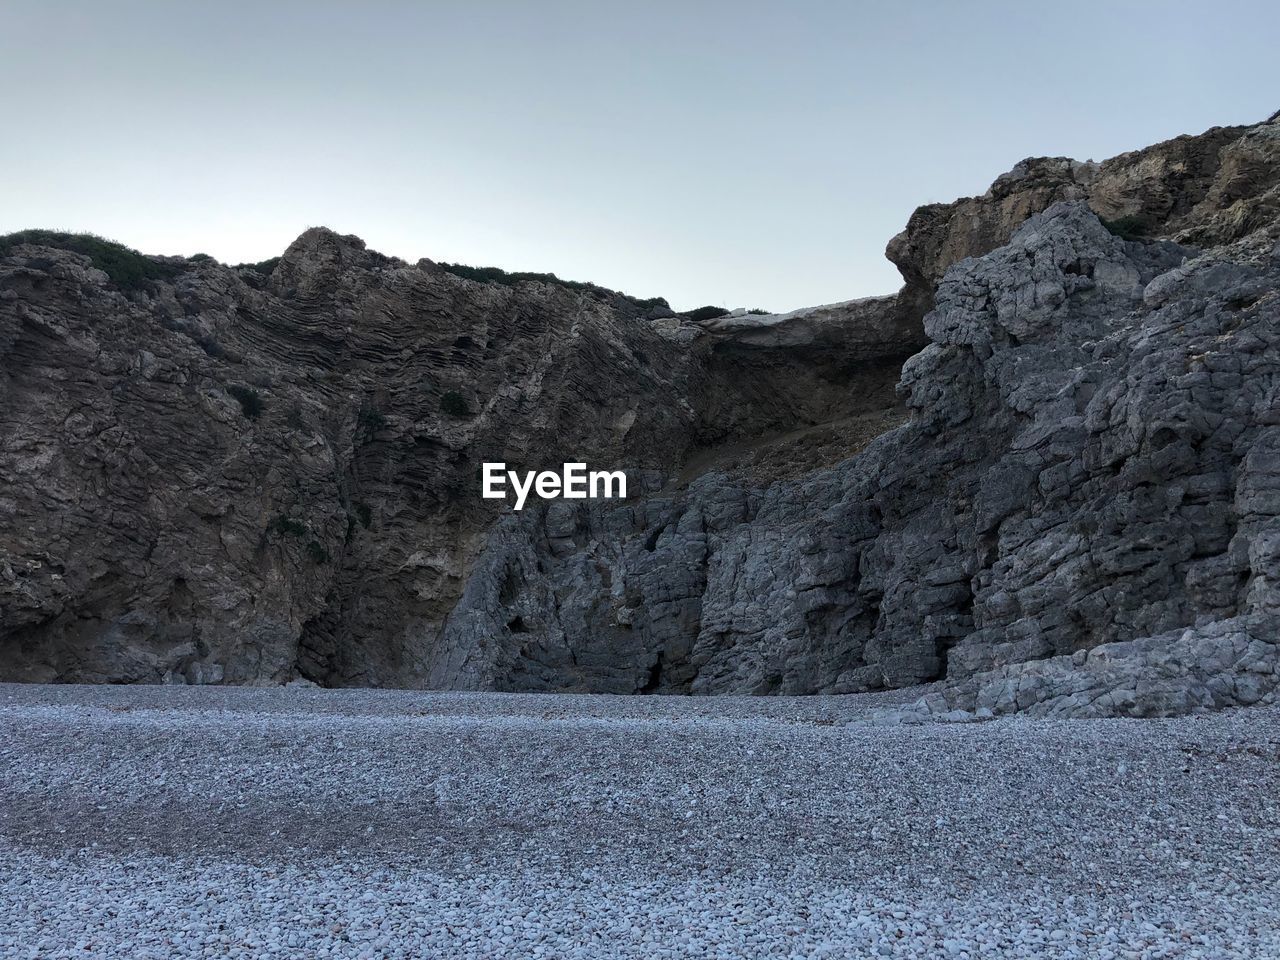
x=733, y=153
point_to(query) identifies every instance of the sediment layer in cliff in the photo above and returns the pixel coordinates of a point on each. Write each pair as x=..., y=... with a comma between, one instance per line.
x=216, y=474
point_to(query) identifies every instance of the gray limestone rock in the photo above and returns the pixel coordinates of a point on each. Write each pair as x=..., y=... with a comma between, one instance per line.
x=1066, y=501
x=1081, y=470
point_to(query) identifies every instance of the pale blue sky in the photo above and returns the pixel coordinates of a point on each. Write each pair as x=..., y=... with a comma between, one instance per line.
x=734, y=153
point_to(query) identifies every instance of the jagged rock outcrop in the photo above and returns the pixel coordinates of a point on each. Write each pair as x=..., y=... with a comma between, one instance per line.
x=234, y=477
x=1225, y=663
x=1089, y=461
x=1208, y=189
x=1072, y=506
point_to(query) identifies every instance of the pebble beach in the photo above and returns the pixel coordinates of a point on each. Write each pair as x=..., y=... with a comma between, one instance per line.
x=174, y=822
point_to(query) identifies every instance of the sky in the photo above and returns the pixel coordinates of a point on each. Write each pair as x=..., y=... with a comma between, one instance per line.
x=740, y=154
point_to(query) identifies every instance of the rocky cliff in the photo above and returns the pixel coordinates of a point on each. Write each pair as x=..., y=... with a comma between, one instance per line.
x=221, y=475
x=1066, y=500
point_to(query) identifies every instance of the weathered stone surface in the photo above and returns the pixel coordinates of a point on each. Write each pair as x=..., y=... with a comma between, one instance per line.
x=1207, y=189
x=1081, y=468
x=1226, y=663
x=153, y=528
x=1075, y=510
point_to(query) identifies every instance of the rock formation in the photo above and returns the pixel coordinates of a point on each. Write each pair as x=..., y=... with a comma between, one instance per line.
x=1070, y=503
x=226, y=476
x=1208, y=190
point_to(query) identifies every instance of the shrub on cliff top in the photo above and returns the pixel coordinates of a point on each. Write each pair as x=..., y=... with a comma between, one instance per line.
x=511, y=278
x=705, y=313
x=127, y=268
x=262, y=266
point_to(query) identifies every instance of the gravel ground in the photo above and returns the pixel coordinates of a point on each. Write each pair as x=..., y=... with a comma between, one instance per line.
x=150, y=822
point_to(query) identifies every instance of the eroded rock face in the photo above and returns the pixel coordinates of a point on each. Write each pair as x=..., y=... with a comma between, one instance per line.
x=1089, y=461
x=1208, y=189
x=231, y=477
x=1225, y=663
x=1071, y=505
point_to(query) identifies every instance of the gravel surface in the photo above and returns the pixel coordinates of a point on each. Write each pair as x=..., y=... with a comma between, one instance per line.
x=142, y=822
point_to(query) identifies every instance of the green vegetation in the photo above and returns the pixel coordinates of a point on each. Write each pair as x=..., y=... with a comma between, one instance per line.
x=127, y=268
x=202, y=258
x=511, y=278
x=650, y=303
x=282, y=525
x=498, y=275
x=757, y=312
x=317, y=552
x=705, y=313
x=251, y=401
x=1127, y=228
x=454, y=404
x=262, y=266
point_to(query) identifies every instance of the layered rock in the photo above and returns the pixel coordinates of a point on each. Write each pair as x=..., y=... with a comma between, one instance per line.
x=1089, y=461
x=234, y=477
x=1208, y=189
x=1069, y=506
x=1226, y=663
